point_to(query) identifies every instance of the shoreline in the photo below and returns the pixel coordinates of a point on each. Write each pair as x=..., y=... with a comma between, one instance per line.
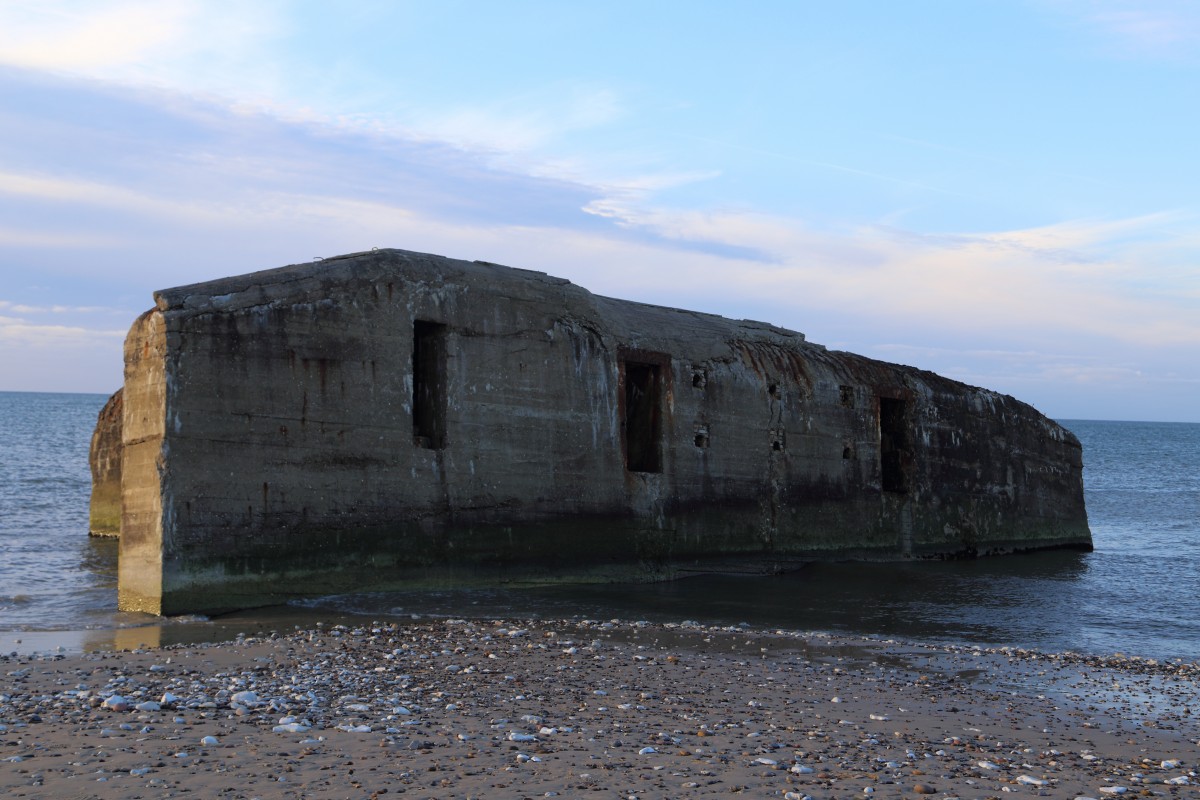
x=523, y=708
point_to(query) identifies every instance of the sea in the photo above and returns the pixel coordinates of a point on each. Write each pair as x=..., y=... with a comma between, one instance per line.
x=1137, y=594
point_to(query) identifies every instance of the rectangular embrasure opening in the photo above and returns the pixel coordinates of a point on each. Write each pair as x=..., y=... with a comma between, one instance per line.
x=643, y=417
x=895, y=445
x=429, y=385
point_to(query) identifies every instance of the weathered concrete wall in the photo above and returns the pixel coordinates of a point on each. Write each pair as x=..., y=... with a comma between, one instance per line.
x=104, y=458
x=398, y=419
x=147, y=508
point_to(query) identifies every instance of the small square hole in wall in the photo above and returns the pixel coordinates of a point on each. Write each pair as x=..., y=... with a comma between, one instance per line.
x=777, y=440
x=848, y=448
x=773, y=390
x=701, y=438
x=699, y=378
x=846, y=396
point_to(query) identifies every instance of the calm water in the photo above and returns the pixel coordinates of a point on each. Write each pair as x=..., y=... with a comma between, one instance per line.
x=1138, y=593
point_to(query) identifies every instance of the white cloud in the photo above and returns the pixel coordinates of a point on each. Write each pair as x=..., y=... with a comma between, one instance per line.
x=521, y=122
x=195, y=46
x=98, y=195
x=1149, y=25
x=55, y=238
x=1153, y=28
x=90, y=36
x=16, y=331
x=1063, y=278
x=22, y=308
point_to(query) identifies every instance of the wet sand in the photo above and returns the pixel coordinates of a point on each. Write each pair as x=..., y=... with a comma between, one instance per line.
x=508, y=709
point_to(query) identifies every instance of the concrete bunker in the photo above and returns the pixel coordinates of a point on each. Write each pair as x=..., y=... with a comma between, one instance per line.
x=395, y=419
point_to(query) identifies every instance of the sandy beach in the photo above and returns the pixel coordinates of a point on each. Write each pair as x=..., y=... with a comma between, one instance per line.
x=508, y=709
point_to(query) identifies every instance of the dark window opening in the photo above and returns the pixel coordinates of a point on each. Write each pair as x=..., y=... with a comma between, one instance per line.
x=777, y=440
x=429, y=385
x=848, y=448
x=846, y=396
x=773, y=390
x=701, y=438
x=699, y=379
x=895, y=444
x=643, y=417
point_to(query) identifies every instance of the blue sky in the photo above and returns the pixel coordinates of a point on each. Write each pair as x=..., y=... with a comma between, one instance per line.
x=1003, y=192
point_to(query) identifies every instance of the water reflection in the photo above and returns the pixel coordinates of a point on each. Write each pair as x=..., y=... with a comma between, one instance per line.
x=1026, y=600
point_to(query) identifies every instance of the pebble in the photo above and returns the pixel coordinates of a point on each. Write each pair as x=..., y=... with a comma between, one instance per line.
x=116, y=703
x=728, y=722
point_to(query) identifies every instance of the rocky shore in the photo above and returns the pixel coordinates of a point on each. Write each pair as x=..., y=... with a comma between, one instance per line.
x=516, y=709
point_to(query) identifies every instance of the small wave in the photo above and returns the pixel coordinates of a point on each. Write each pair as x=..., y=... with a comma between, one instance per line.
x=182, y=619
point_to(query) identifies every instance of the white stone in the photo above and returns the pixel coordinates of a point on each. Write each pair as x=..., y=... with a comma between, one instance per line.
x=116, y=703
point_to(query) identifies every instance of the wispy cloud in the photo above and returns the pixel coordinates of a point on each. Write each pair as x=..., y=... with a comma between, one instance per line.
x=192, y=189
x=1150, y=25
x=1147, y=28
x=258, y=187
x=60, y=193
x=520, y=122
x=990, y=366
x=18, y=331
x=1056, y=278
x=74, y=36
x=55, y=237
x=22, y=308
